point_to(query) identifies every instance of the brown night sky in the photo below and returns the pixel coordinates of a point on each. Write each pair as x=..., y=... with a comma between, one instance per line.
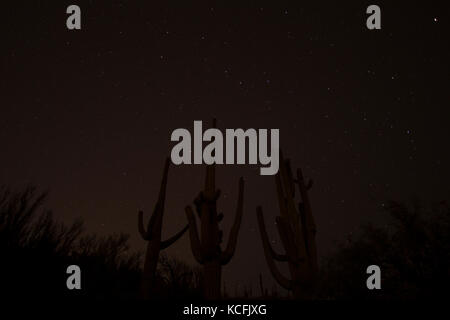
x=88, y=114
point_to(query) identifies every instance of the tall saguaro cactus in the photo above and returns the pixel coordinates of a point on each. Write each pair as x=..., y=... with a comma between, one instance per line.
x=297, y=231
x=153, y=236
x=206, y=248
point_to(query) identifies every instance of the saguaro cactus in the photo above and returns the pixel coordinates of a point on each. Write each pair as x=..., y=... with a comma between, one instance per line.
x=153, y=236
x=206, y=248
x=297, y=232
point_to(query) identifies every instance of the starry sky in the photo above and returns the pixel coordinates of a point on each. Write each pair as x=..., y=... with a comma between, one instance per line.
x=88, y=114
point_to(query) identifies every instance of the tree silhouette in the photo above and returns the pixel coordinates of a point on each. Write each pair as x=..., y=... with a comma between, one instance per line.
x=412, y=250
x=36, y=251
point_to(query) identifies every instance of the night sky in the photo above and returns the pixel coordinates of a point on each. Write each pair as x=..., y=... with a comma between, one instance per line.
x=88, y=114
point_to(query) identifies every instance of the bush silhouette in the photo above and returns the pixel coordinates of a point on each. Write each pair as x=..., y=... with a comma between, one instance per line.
x=180, y=279
x=412, y=250
x=36, y=250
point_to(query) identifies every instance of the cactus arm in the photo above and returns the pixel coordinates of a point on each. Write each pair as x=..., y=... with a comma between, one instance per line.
x=155, y=221
x=193, y=235
x=287, y=239
x=231, y=246
x=282, y=280
x=276, y=256
x=141, y=227
x=304, y=195
x=165, y=244
x=157, y=216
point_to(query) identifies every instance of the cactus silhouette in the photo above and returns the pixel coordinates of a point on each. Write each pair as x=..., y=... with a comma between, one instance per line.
x=153, y=236
x=206, y=248
x=297, y=231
